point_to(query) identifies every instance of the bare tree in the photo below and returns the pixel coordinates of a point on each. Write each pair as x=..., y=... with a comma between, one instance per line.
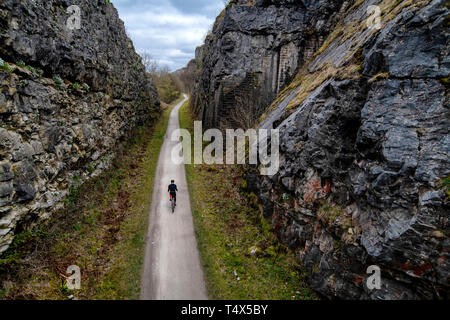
x=150, y=64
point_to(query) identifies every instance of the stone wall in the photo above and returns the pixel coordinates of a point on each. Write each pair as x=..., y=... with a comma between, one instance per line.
x=268, y=38
x=66, y=98
x=364, y=165
x=364, y=132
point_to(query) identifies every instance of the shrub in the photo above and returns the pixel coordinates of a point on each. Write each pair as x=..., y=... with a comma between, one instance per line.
x=5, y=66
x=57, y=80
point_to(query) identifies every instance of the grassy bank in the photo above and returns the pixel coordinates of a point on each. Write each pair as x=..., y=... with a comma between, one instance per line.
x=229, y=227
x=101, y=230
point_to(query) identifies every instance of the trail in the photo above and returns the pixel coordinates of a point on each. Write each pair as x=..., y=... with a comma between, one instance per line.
x=172, y=268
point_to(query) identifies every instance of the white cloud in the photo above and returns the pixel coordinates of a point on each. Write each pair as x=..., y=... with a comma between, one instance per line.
x=168, y=33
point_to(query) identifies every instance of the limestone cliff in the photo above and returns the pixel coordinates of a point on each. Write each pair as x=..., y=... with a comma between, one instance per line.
x=253, y=52
x=67, y=95
x=364, y=129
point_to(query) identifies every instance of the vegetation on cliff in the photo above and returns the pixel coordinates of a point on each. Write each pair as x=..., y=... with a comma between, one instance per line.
x=241, y=257
x=101, y=229
x=67, y=95
x=363, y=134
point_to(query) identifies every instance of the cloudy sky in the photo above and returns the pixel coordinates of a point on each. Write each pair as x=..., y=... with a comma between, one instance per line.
x=169, y=30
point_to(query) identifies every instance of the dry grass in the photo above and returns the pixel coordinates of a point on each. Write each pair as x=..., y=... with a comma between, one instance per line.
x=306, y=82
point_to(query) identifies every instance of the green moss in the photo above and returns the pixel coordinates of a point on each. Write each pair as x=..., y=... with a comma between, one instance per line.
x=58, y=81
x=6, y=67
x=445, y=185
x=329, y=213
x=21, y=241
x=31, y=69
x=244, y=184
x=446, y=182
x=445, y=81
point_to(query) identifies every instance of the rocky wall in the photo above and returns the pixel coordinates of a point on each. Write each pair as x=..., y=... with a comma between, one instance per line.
x=364, y=166
x=67, y=96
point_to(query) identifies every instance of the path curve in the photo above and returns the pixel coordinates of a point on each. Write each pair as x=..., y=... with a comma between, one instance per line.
x=172, y=268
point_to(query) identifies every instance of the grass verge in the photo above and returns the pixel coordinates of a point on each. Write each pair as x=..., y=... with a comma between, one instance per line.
x=241, y=257
x=101, y=230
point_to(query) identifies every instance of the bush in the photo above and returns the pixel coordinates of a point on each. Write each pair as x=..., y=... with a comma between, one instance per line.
x=167, y=89
x=169, y=84
x=5, y=67
x=57, y=80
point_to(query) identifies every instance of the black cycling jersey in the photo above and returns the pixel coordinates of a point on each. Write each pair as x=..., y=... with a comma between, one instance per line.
x=172, y=188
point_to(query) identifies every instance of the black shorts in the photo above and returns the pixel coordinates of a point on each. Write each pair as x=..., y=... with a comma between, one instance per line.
x=174, y=195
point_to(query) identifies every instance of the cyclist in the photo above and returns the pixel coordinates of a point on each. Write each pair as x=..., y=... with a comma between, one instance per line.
x=173, y=191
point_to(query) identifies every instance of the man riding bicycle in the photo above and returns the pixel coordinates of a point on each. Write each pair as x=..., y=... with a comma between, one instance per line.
x=173, y=191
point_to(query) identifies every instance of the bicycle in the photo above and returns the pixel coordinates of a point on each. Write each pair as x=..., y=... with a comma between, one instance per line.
x=172, y=203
